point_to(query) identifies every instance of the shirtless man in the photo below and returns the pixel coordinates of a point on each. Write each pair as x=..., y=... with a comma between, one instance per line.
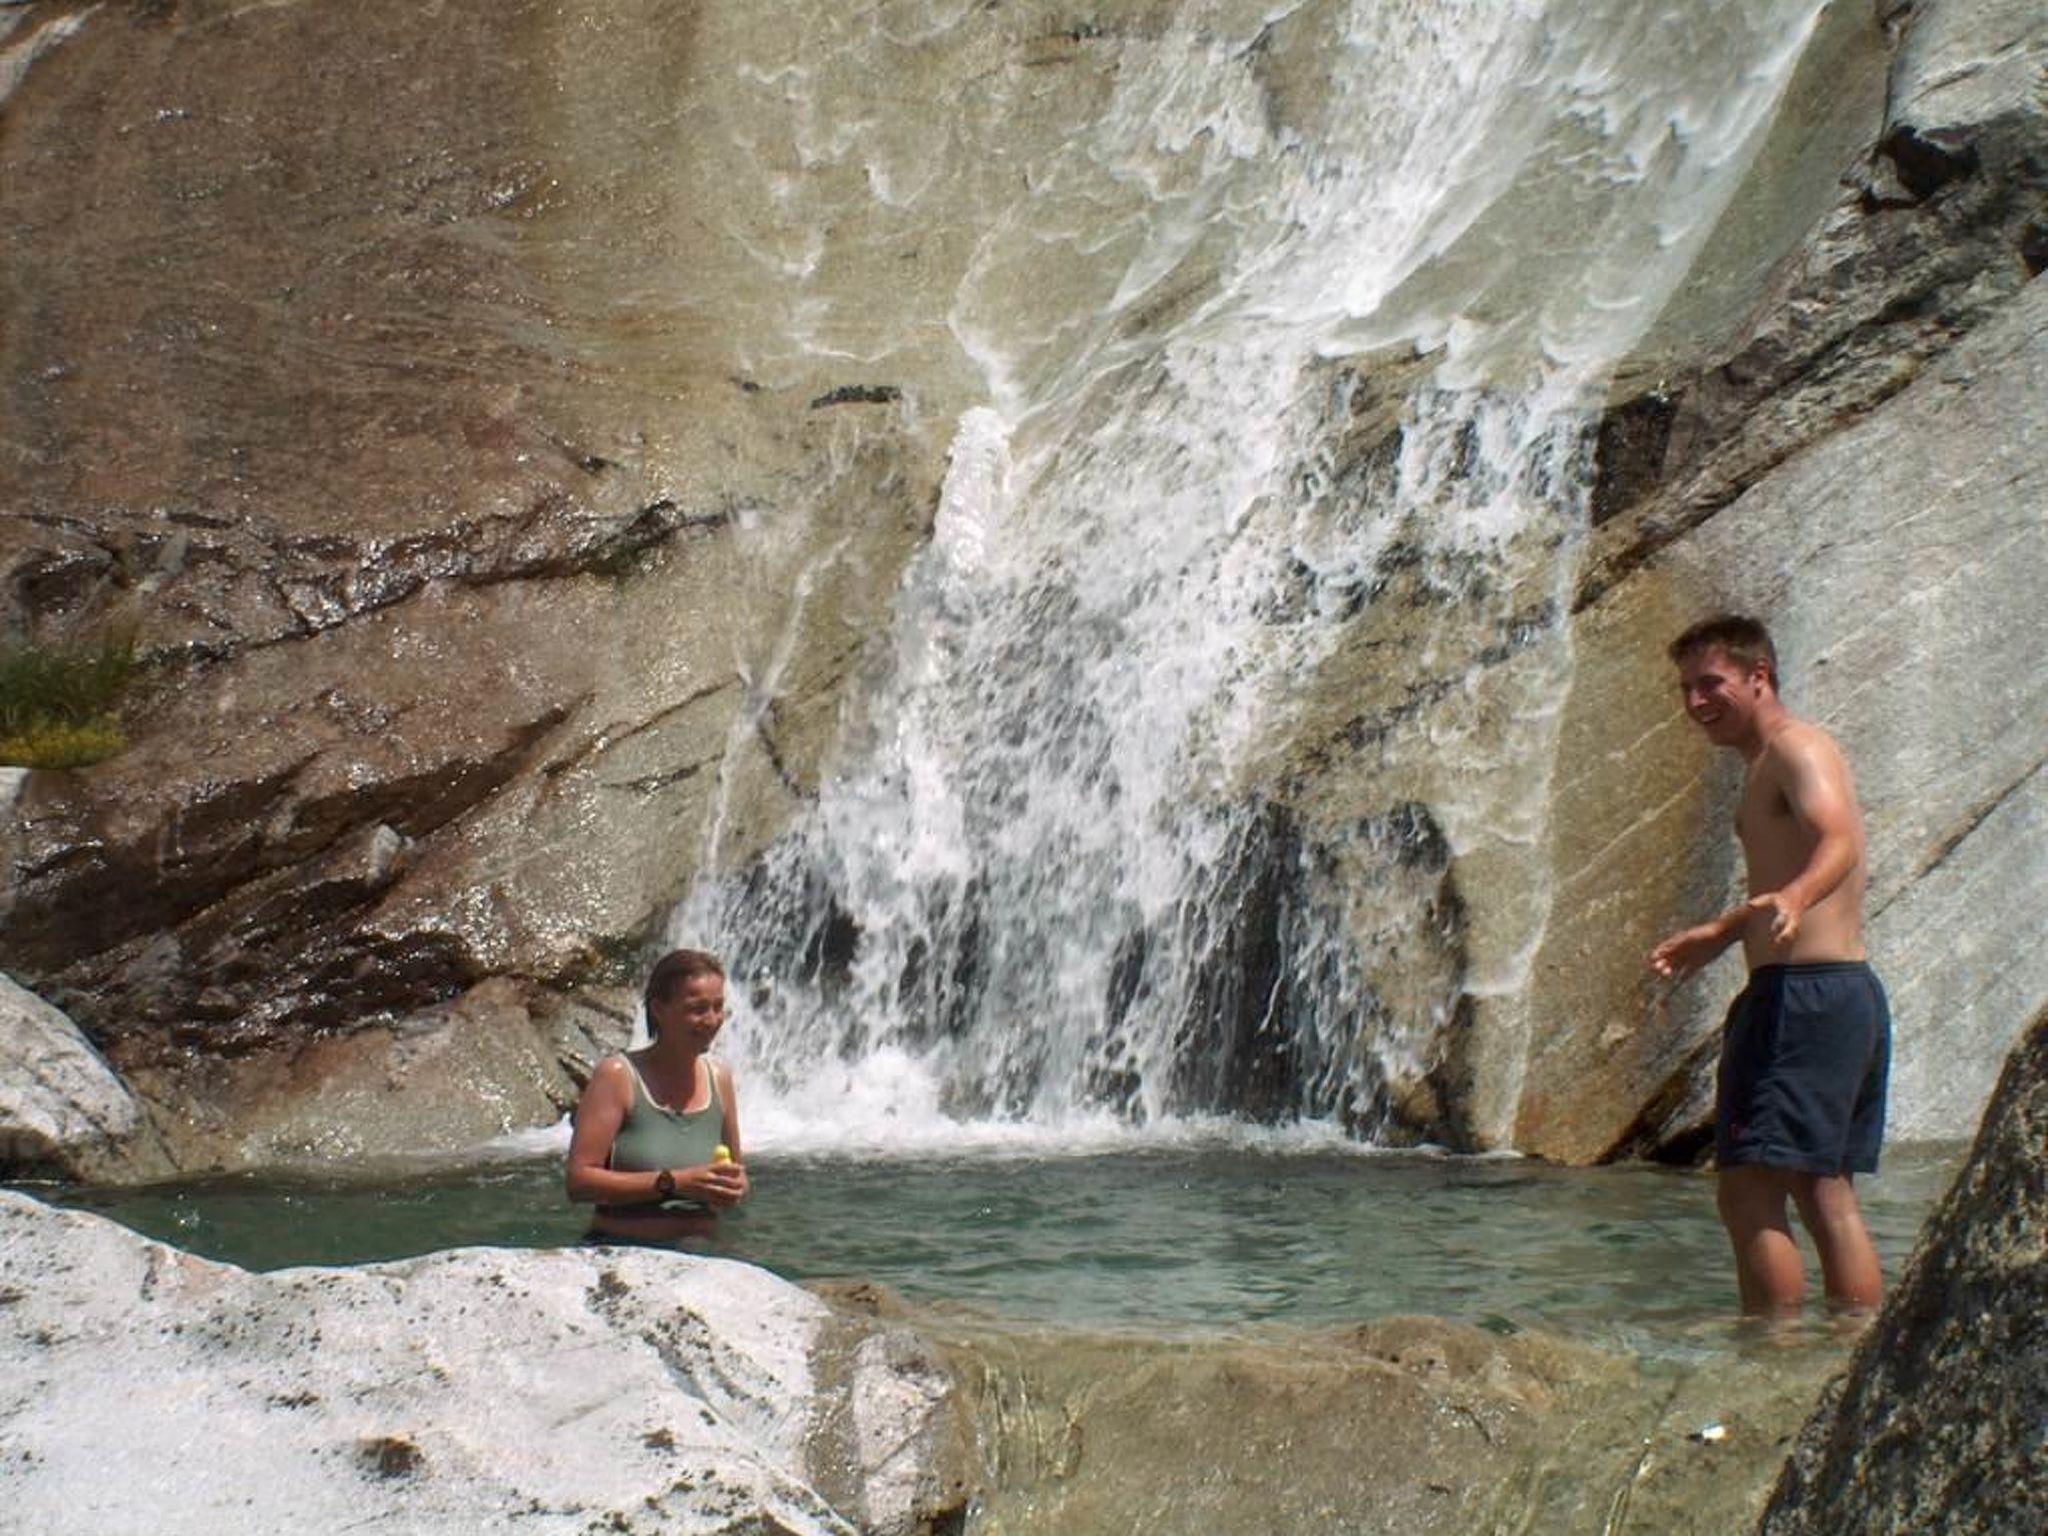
x=1800, y=1103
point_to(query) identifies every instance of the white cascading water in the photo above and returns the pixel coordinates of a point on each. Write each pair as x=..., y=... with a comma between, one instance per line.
x=1044, y=892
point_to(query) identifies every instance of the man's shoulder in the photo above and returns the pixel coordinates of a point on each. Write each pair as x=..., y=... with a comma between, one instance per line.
x=1799, y=740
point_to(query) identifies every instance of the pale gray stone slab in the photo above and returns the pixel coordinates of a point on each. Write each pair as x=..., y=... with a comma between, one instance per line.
x=1963, y=64
x=61, y=1106
x=476, y=1390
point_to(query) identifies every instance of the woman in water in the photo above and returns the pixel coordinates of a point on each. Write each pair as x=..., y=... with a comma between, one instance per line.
x=657, y=1141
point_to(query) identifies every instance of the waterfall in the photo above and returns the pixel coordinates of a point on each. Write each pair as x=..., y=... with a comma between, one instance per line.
x=1290, y=357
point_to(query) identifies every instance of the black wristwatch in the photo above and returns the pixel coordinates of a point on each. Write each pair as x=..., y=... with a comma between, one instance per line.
x=664, y=1184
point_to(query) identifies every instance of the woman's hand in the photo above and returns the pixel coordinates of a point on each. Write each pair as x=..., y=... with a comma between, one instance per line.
x=719, y=1185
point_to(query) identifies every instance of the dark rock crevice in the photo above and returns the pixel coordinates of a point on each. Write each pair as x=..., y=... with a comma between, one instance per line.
x=599, y=744
x=256, y=923
x=1675, y=1124
x=1928, y=241
x=210, y=599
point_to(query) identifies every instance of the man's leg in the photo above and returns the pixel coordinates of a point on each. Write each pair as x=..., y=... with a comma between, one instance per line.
x=1848, y=1259
x=1768, y=1268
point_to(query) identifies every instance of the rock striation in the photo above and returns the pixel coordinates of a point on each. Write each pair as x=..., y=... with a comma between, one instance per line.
x=1832, y=424
x=1937, y=1424
x=567, y=1391
x=1893, y=597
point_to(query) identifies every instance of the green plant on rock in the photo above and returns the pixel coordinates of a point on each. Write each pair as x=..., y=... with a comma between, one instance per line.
x=57, y=703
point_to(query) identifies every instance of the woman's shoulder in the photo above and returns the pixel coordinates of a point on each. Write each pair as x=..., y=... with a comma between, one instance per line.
x=614, y=1074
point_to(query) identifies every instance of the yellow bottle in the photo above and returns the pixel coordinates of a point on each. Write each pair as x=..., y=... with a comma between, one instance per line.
x=721, y=1154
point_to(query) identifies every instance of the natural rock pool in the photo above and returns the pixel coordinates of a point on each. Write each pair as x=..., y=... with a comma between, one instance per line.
x=1208, y=1236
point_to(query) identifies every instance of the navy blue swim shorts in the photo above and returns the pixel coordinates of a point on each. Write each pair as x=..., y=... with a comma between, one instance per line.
x=1804, y=1059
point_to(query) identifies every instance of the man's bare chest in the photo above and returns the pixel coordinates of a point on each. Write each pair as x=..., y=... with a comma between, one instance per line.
x=1764, y=819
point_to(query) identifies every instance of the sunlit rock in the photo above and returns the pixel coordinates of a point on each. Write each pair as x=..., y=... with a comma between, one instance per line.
x=557, y=1391
x=1864, y=470
x=514, y=486
x=1892, y=561
x=443, y=1080
x=1835, y=312
x=490, y=575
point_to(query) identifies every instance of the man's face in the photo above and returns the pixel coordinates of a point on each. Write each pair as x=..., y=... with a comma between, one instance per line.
x=1721, y=697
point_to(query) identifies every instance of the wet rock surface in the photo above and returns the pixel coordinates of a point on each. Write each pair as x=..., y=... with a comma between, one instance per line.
x=1936, y=1426
x=1831, y=426
x=1407, y=1425
x=567, y=1391
x=1894, y=598
x=1926, y=240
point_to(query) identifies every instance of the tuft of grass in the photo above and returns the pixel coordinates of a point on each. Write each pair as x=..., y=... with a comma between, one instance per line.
x=57, y=703
x=61, y=746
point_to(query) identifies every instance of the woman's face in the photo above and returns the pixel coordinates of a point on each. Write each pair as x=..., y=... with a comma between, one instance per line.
x=696, y=1009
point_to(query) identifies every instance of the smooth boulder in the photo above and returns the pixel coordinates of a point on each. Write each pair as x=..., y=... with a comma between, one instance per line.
x=63, y=1111
x=566, y=1391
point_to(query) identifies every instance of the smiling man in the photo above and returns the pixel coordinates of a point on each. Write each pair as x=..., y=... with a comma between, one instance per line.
x=1800, y=1103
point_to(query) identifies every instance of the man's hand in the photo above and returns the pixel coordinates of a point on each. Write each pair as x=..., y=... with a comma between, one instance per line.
x=1785, y=914
x=1686, y=951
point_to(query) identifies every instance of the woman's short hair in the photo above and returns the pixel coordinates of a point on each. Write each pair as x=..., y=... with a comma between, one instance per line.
x=672, y=970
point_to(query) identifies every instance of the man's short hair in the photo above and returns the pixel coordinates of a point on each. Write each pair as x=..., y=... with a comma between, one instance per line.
x=1741, y=639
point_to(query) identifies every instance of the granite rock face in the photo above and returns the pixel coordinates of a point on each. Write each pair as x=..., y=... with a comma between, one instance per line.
x=1938, y=1423
x=509, y=486
x=1894, y=593
x=1833, y=424
x=1862, y=463
x=490, y=573
x=566, y=1391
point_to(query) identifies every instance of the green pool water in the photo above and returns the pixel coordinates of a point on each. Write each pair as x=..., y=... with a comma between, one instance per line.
x=1211, y=1239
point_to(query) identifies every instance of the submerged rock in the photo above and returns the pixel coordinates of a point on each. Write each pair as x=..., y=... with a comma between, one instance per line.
x=627, y=1391
x=1938, y=1423
x=1409, y=1427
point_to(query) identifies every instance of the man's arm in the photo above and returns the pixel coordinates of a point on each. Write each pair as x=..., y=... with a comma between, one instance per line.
x=1816, y=784
x=1689, y=949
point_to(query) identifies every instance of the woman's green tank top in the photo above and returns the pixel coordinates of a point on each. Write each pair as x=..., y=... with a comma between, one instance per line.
x=654, y=1138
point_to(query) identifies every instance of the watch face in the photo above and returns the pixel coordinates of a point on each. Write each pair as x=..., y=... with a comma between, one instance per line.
x=664, y=1183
